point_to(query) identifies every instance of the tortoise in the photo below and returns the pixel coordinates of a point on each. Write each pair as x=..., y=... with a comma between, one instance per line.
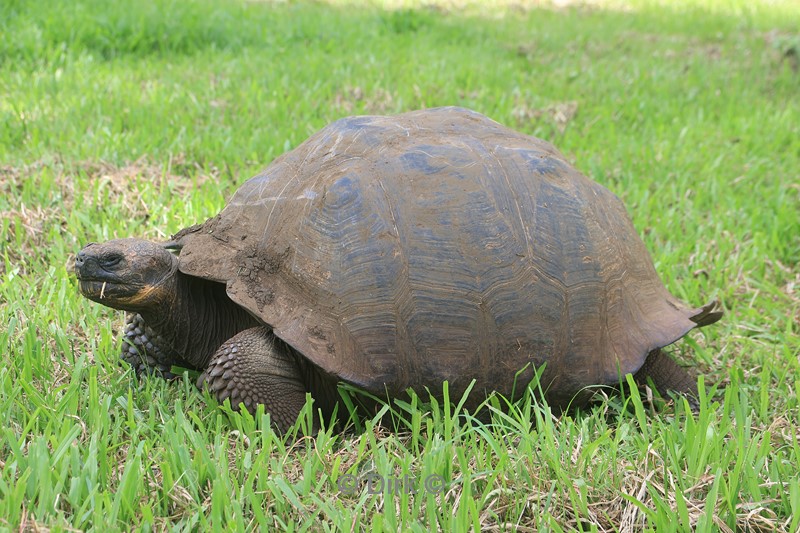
x=394, y=253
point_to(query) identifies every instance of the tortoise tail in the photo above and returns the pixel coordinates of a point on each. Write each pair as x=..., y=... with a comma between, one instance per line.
x=668, y=377
x=708, y=314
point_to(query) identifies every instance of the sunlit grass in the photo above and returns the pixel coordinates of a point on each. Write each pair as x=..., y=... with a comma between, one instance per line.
x=140, y=118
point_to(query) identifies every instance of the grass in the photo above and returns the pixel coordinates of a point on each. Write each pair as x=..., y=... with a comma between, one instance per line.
x=140, y=118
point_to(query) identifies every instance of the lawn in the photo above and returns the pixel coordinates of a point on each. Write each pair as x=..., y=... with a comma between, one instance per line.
x=138, y=118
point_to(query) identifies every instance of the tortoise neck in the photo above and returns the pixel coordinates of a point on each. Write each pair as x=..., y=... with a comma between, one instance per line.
x=197, y=318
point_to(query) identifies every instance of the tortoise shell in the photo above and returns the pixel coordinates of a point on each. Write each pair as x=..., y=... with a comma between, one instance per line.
x=398, y=252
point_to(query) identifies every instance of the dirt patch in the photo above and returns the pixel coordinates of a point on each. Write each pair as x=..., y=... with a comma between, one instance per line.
x=262, y=295
x=674, y=45
x=61, y=188
x=559, y=114
x=254, y=267
x=376, y=101
x=503, y=8
x=792, y=290
x=34, y=223
x=785, y=48
x=179, y=175
x=317, y=332
x=210, y=226
x=253, y=260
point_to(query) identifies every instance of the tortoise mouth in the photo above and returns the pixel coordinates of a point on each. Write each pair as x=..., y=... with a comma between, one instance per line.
x=97, y=288
x=123, y=296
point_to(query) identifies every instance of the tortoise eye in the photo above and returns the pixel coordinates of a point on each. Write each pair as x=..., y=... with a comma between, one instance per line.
x=111, y=260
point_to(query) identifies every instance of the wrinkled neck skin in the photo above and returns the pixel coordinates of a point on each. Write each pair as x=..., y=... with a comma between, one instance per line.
x=195, y=318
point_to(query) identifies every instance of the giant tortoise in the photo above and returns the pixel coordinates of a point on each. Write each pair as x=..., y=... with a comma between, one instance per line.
x=395, y=253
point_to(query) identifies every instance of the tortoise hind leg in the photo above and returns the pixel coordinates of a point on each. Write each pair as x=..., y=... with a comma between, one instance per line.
x=668, y=377
x=141, y=348
x=254, y=367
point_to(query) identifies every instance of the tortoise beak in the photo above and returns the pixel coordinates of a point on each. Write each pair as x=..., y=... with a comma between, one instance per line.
x=107, y=289
x=89, y=267
x=97, y=276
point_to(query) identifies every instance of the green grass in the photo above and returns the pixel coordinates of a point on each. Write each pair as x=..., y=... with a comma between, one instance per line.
x=140, y=118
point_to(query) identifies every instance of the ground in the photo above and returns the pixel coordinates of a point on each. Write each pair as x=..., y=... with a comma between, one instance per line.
x=141, y=118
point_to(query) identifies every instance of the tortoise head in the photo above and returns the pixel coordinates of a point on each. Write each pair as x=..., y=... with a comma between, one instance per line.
x=127, y=274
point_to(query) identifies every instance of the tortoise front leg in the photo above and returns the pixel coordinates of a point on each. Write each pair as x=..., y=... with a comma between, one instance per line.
x=254, y=367
x=142, y=349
